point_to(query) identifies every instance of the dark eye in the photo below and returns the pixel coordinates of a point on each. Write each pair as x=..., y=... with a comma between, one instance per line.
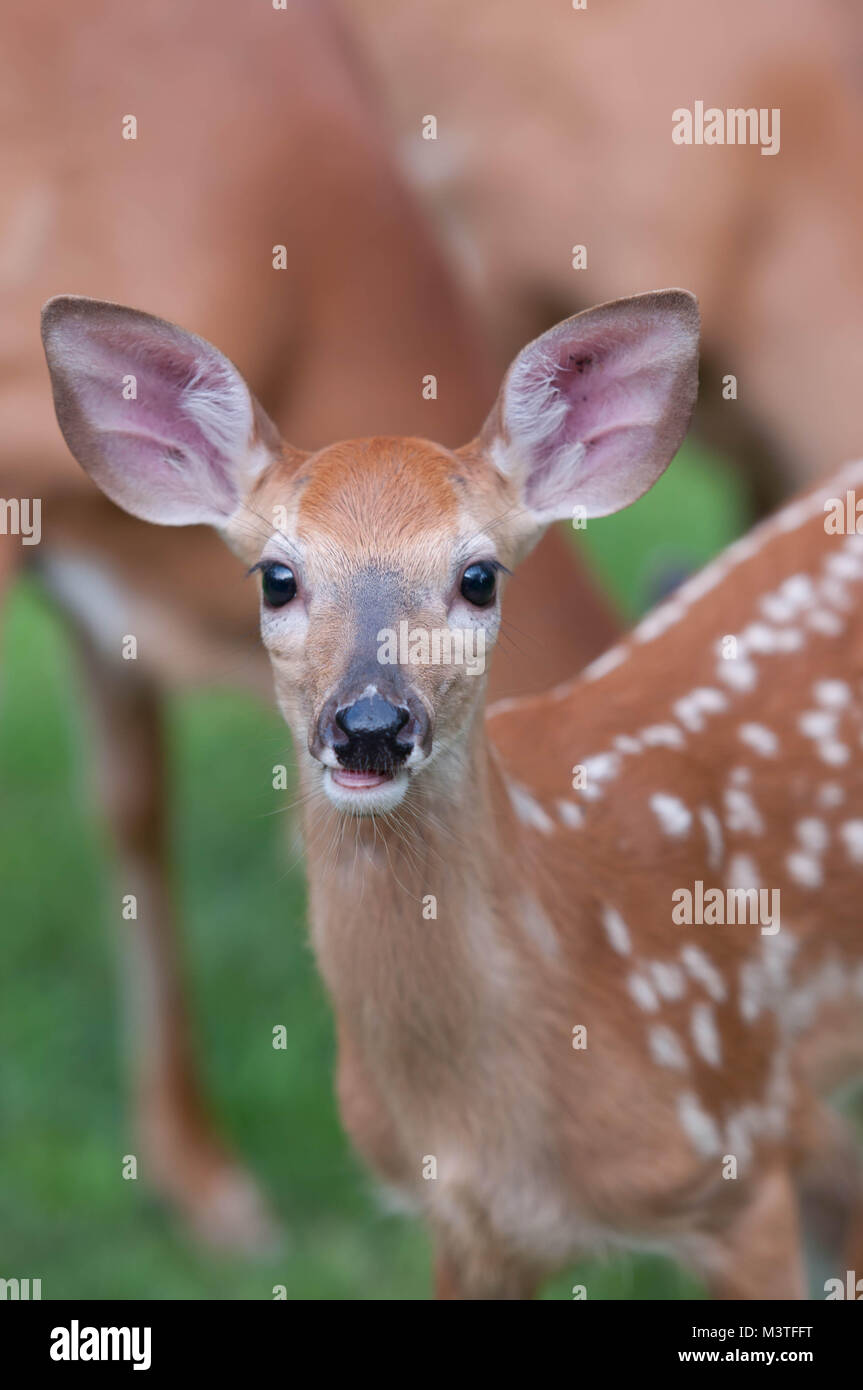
x=278, y=585
x=478, y=584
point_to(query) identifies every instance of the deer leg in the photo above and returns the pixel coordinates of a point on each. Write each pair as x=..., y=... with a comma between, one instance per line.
x=831, y=1197
x=446, y=1283
x=853, y=1243
x=181, y=1152
x=490, y=1277
x=9, y=552
x=759, y=1254
x=472, y=1263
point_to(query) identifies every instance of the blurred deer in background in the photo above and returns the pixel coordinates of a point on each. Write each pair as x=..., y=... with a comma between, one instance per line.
x=254, y=128
x=535, y=1046
x=554, y=129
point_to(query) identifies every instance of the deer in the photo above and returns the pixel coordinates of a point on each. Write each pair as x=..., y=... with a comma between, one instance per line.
x=271, y=135
x=532, y=1050
x=519, y=174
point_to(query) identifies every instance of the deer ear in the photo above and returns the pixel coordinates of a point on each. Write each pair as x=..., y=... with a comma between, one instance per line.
x=162, y=422
x=592, y=413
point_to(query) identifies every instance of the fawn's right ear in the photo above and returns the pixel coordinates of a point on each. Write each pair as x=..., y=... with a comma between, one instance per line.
x=162, y=422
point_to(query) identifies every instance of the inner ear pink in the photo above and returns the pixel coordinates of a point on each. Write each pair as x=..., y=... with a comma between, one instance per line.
x=170, y=453
x=600, y=408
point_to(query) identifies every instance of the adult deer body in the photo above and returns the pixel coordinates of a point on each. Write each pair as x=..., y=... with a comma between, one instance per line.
x=560, y=133
x=267, y=134
x=470, y=910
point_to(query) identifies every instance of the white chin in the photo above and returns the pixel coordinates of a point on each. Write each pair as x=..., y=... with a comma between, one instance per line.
x=366, y=801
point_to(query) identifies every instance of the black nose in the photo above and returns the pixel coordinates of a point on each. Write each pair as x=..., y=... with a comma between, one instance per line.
x=371, y=726
x=372, y=715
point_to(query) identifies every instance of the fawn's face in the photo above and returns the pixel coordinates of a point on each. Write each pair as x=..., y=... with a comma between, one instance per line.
x=380, y=559
x=380, y=604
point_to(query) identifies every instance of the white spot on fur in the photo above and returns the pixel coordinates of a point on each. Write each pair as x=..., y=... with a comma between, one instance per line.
x=764, y=982
x=777, y=953
x=844, y=566
x=528, y=809
x=798, y=591
x=833, y=591
x=760, y=738
x=833, y=694
x=571, y=815
x=767, y=641
x=705, y=1034
x=851, y=835
x=742, y=873
x=741, y=814
x=822, y=621
x=737, y=1130
x=539, y=927
x=706, y=580
x=662, y=736
x=751, y=990
x=693, y=708
x=601, y=767
x=666, y=1048
x=813, y=835
x=658, y=622
x=643, y=993
x=804, y=869
x=624, y=743
x=713, y=832
x=829, y=795
x=702, y=969
x=673, y=816
x=699, y=1127
x=737, y=672
x=605, y=663
x=836, y=754
x=777, y=609
x=616, y=930
x=670, y=980
x=817, y=723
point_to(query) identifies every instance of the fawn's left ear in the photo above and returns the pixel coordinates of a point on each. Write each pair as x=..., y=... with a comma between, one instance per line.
x=592, y=413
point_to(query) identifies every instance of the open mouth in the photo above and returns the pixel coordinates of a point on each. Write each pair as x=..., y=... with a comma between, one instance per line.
x=359, y=781
x=365, y=791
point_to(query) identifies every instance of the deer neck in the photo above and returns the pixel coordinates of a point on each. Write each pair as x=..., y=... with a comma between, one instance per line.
x=405, y=911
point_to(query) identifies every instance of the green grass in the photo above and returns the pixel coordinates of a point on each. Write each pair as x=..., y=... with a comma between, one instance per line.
x=66, y=1214
x=690, y=514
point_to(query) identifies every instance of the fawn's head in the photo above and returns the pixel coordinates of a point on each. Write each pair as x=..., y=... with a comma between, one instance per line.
x=381, y=560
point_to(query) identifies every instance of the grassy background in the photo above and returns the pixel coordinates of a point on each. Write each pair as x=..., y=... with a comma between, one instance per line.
x=66, y=1215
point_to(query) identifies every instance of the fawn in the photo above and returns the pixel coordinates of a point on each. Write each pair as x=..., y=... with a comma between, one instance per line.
x=474, y=904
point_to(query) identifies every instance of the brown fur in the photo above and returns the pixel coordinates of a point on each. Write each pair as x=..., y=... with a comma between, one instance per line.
x=554, y=129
